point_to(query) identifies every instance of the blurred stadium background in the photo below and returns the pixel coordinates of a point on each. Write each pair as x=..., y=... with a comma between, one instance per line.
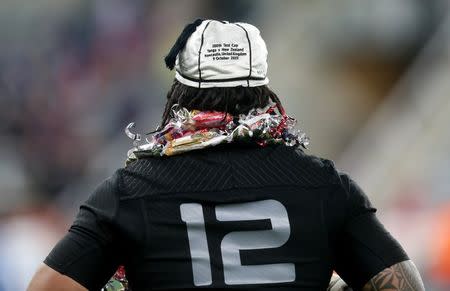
x=369, y=81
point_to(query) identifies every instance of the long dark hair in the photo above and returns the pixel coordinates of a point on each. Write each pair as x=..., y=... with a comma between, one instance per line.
x=233, y=100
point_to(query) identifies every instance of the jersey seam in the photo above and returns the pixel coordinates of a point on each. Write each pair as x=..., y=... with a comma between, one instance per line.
x=347, y=218
x=117, y=191
x=145, y=218
x=220, y=191
x=323, y=210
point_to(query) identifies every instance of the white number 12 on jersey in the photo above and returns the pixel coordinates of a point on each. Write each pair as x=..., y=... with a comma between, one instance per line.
x=234, y=272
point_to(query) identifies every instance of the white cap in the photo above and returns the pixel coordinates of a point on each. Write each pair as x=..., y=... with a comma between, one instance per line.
x=223, y=54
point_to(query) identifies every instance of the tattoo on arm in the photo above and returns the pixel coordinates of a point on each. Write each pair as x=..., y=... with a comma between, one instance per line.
x=403, y=276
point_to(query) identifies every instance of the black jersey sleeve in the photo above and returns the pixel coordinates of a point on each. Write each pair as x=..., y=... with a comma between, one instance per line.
x=364, y=247
x=88, y=253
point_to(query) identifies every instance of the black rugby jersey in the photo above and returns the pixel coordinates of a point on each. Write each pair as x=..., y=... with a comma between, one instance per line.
x=232, y=216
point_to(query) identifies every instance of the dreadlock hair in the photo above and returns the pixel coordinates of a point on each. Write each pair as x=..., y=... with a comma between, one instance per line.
x=233, y=100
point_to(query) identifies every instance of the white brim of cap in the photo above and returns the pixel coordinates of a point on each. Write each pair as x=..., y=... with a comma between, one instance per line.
x=221, y=83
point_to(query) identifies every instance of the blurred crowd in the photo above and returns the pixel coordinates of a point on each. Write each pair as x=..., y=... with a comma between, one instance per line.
x=73, y=74
x=68, y=94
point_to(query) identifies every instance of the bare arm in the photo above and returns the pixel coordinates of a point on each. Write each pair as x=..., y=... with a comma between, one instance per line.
x=47, y=279
x=403, y=276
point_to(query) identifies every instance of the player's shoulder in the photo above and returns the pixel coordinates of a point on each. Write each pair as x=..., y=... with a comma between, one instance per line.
x=314, y=160
x=347, y=186
x=151, y=168
x=322, y=169
x=138, y=174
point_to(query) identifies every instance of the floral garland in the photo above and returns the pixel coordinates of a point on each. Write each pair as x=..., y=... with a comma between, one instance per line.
x=194, y=130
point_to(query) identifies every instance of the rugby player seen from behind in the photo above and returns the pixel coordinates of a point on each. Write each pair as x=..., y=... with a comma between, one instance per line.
x=223, y=195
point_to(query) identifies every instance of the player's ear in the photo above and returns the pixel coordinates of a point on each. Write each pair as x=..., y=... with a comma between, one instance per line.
x=180, y=43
